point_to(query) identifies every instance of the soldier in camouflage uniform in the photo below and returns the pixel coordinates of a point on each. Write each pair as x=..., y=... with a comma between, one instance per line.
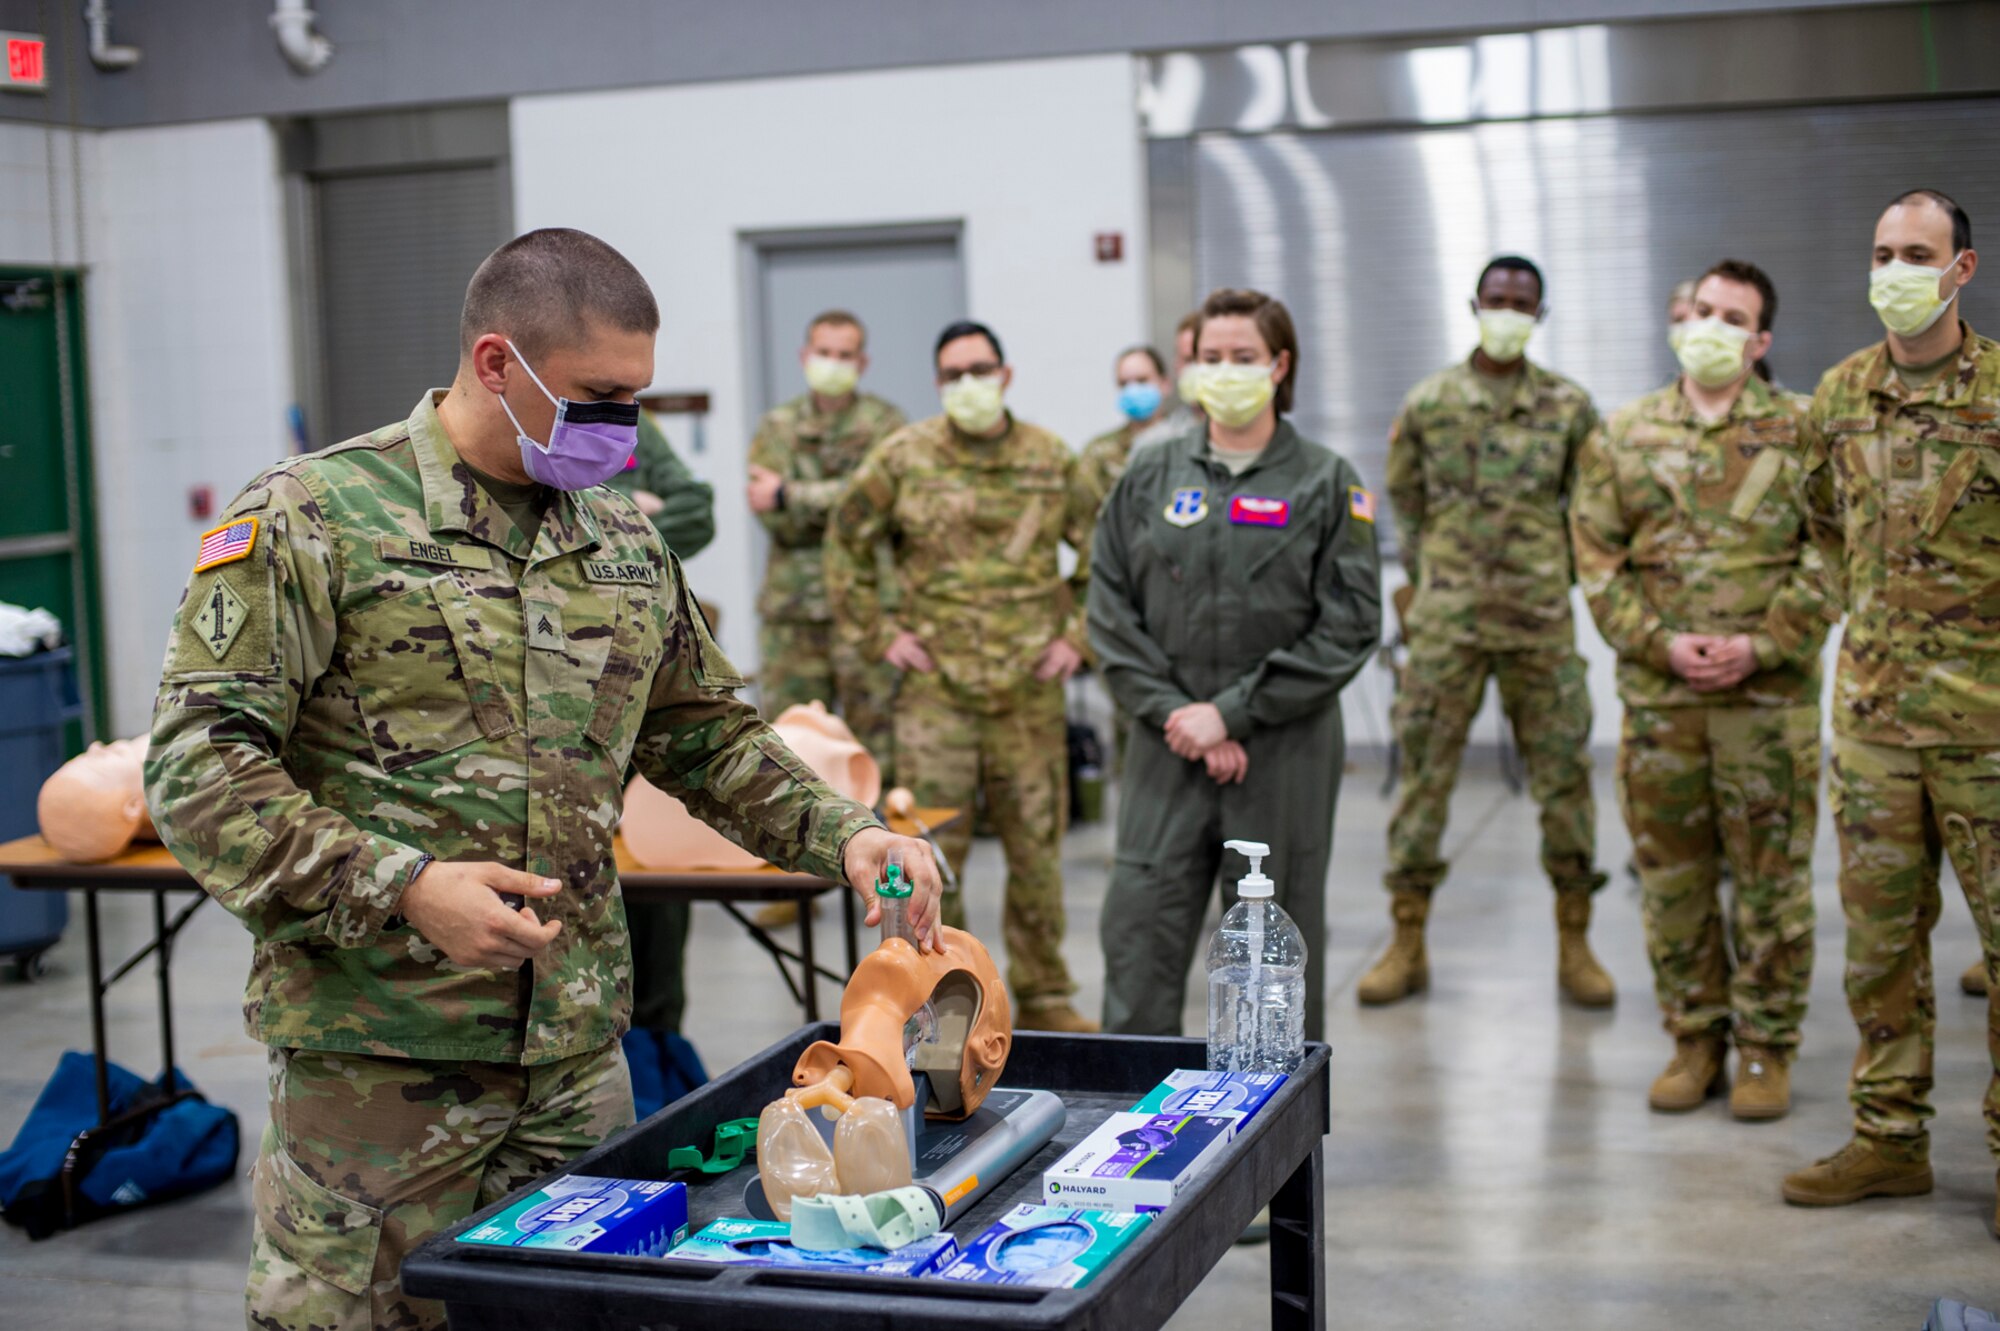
x=799, y=461
x=1692, y=544
x=1481, y=460
x=399, y=703
x=976, y=505
x=1908, y=494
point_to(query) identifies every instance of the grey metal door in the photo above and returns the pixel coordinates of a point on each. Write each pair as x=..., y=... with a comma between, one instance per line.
x=905, y=284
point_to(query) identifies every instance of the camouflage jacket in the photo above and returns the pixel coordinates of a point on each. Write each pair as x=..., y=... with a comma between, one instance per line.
x=1909, y=497
x=1479, y=496
x=687, y=523
x=388, y=670
x=976, y=525
x=1686, y=526
x=815, y=454
x=1104, y=458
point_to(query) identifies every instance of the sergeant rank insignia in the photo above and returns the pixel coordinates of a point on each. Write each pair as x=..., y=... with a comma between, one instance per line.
x=1189, y=507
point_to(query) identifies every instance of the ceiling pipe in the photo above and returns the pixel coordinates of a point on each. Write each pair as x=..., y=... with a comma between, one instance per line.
x=103, y=54
x=307, y=51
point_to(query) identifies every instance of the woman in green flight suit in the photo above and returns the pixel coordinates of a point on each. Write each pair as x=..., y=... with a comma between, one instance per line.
x=1234, y=591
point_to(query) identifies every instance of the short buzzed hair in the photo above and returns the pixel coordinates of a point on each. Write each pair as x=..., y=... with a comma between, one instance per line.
x=1961, y=222
x=547, y=287
x=837, y=319
x=1513, y=263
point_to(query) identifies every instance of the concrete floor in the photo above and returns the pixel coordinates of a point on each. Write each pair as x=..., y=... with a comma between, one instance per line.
x=1492, y=1161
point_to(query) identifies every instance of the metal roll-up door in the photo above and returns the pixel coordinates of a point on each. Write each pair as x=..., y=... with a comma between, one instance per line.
x=395, y=252
x=1374, y=238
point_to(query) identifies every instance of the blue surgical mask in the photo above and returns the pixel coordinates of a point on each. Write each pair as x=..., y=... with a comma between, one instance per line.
x=1139, y=400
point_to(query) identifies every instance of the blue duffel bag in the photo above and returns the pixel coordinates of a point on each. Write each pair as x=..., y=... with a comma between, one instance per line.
x=189, y=1146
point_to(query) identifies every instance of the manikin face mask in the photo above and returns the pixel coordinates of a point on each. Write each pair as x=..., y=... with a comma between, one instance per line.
x=588, y=445
x=1905, y=295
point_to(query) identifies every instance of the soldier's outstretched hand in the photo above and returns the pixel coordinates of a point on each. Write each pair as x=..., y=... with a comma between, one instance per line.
x=458, y=908
x=868, y=854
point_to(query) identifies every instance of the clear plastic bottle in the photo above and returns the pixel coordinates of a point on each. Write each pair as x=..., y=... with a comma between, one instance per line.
x=893, y=892
x=1256, y=980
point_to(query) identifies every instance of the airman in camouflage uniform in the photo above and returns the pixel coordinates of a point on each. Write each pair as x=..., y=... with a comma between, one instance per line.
x=1481, y=460
x=1691, y=527
x=1908, y=493
x=976, y=523
x=813, y=444
x=390, y=688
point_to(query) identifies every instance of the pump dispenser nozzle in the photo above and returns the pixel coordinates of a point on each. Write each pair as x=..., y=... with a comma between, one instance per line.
x=1254, y=884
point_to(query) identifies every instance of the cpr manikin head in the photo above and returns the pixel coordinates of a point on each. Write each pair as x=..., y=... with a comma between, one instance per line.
x=975, y=1027
x=661, y=833
x=95, y=804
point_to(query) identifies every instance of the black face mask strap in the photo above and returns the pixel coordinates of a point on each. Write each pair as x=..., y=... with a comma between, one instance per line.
x=602, y=413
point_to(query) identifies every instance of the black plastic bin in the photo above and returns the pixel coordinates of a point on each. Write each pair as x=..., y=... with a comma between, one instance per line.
x=1276, y=1161
x=37, y=702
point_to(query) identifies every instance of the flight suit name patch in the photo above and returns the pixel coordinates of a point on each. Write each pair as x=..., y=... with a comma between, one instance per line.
x=433, y=552
x=1256, y=511
x=220, y=618
x=598, y=570
x=1189, y=507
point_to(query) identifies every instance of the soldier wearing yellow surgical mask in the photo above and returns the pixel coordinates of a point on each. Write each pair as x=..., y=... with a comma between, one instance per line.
x=1186, y=413
x=1481, y=459
x=1907, y=496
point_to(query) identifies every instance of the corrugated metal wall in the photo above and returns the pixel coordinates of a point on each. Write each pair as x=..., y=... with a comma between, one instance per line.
x=1374, y=238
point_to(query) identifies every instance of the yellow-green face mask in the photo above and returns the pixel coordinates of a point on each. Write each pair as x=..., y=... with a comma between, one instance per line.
x=831, y=378
x=1905, y=295
x=1504, y=334
x=974, y=402
x=1235, y=395
x=1711, y=351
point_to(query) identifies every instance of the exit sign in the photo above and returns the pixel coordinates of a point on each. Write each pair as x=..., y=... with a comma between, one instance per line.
x=27, y=65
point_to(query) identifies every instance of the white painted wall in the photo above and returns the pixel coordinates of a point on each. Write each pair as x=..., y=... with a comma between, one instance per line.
x=1033, y=156
x=189, y=358
x=25, y=160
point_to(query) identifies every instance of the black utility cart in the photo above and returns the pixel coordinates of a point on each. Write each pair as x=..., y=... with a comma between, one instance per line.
x=1276, y=1161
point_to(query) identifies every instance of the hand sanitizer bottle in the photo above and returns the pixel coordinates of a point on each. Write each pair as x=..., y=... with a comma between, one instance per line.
x=1256, y=979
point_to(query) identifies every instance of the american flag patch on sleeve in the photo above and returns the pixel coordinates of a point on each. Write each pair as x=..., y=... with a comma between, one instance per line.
x=231, y=541
x=1361, y=503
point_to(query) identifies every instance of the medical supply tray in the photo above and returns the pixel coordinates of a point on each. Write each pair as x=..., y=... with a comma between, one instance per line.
x=1277, y=1161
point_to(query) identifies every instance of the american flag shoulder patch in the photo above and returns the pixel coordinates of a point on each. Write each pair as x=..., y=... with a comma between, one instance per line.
x=231, y=541
x=1361, y=503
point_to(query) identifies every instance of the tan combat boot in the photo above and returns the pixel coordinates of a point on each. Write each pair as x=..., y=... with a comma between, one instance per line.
x=1694, y=1074
x=1404, y=969
x=1058, y=1017
x=1763, y=1087
x=1579, y=976
x=1864, y=1167
x=1974, y=979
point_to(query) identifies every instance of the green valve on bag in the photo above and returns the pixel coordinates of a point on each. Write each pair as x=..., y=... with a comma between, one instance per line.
x=894, y=883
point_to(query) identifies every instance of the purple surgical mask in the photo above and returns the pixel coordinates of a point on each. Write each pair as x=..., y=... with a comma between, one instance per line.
x=589, y=444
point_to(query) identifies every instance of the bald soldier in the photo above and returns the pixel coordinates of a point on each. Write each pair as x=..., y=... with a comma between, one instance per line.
x=401, y=695
x=1907, y=495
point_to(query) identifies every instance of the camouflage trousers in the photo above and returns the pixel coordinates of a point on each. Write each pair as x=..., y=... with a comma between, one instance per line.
x=1547, y=703
x=950, y=755
x=366, y=1157
x=1706, y=786
x=1898, y=812
x=805, y=661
